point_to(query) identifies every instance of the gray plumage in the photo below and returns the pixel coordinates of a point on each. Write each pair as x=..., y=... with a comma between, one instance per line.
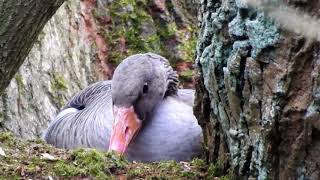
x=169, y=132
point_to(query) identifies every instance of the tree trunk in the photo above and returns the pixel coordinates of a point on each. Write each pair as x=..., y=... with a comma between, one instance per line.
x=60, y=63
x=21, y=22
x=258, y=92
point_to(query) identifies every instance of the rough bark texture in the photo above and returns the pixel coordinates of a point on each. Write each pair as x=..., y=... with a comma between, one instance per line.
x=21, y=22
x=258, y=92
x=81, y=44
x=59, y=64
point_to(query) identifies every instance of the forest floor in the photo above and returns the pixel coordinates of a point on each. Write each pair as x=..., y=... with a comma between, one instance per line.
x=34, y=159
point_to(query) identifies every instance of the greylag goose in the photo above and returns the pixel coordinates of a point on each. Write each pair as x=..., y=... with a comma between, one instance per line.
x=139, y=113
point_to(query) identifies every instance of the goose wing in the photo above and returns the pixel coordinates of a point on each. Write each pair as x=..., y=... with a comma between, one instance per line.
x=89, y=95
x=85, y=121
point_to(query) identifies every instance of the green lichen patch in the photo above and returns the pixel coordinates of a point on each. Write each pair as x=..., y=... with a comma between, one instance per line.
x=27, y=159
x=20, y=84
x=59, y=83
x=58, y=88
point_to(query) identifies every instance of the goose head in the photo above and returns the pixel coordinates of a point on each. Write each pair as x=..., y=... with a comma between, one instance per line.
x=139, y=83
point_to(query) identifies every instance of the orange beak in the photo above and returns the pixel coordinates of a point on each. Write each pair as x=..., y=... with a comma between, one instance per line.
x=125, y=126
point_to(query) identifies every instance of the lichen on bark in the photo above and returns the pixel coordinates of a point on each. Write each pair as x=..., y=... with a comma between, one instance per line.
x=260, y=83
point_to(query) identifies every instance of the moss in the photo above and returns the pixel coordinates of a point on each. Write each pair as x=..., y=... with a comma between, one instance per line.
x=185, y=75
x=58, y=86
x=229, y=176
x=189, y=174
x=188, y=49
x=216, y=169
x=67, y=170
x=93, y=161
x=89, y=163
x=168, y=165
x=134, y=173
x=5, y=136
x=129, y=10
x=133, y=30
x=153, y=43
x=59, y=100
x=198, y=163
x=168, y=31
x=58, y=83
x=38, y=141
x=34, y=165
x=20, y=84
x=24, y=160
x=128, y=19
x=11, y=174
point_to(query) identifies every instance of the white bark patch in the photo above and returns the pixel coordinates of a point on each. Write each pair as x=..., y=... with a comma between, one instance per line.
x=2, y=153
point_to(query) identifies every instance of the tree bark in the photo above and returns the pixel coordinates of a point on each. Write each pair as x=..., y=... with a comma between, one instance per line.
x=60, y=63
x=258, y=92
x=21, y=22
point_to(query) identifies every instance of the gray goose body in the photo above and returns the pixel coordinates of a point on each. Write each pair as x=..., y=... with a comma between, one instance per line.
x=170, y=132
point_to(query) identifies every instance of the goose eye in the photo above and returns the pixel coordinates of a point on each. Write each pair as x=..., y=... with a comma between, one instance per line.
x=145, y=88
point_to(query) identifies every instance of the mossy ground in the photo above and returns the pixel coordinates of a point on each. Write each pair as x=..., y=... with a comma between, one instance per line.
x=26, y=160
